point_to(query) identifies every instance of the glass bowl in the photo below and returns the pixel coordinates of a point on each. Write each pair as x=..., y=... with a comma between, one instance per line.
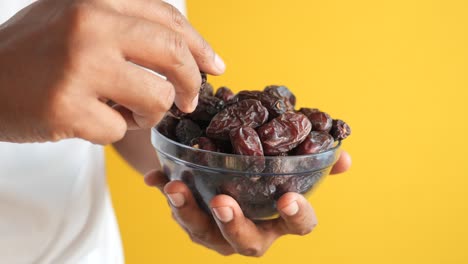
x=254, y=182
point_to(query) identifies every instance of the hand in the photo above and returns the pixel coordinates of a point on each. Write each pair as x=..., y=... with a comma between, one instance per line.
x=230, y=232
x=61, y=61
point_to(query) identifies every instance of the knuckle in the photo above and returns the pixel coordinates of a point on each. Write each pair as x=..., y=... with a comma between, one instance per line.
x=118, y=132
x=177, y=49
x=167, y=95
x=198, y=236
x=251, y=251
x=178, y=21
x=305, y=231
x=205, y=52
x=79, y=14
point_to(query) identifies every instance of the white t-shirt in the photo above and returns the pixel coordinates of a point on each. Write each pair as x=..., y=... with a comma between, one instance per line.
x=54, y=203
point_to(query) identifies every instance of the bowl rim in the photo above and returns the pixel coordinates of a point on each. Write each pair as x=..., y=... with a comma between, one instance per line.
x=221, y=154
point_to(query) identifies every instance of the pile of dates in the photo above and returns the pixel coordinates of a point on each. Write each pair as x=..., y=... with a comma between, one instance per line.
x=253, y=124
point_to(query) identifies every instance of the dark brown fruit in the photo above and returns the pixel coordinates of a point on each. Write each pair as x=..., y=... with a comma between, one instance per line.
x=246, y=113
x=282, y=91
x=224, y=94
x=187, y=130
x=175, y=112
x=276, y=105
x=340, y=130
x=167, y=126
x=321, y=121
x=245, y=141
x=207, y=90
x=247, y=190
x=315, y=142
x=284, y=133
x=204, y=143
x=208, y=106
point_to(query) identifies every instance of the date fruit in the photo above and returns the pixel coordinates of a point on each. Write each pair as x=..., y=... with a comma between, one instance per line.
x=224, y=94
x=340, y=130
x=204, y=143
x=208, y=106
x=284, y=133
x=282, y=91
x=187, y=130
x=321, y=121
x=315, y=142
x=246, y=113
x=245, y=141
x=167, y=126
x=276, y=105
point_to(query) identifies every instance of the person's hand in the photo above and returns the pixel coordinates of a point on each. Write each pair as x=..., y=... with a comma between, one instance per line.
x=230, y=232
x=62, y=61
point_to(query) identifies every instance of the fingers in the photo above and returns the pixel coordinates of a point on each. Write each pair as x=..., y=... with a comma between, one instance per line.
x=297, y=216
x=239, y=231
x=146, y=95
x=102, y=124
x=158, y=48
x=197, y=223
x=167, y=15
x=156, y=179
x=343, y=163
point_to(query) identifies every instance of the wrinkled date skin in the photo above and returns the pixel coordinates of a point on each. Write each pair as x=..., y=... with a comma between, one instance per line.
x=187, y=130
x=284, y=133
x=224, y=93
x=340, y=130
x=276, y=105
x=245, y=141
x=246, y=113
x=167, y=126
x=321, y=121
x=315, y=142
x=208, y=106
x=282, y=91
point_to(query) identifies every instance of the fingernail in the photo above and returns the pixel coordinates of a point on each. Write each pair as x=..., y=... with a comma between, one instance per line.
x=176, y=199
x=219, y=63
x=291, y=209
x=195, y=102
x=224, y=214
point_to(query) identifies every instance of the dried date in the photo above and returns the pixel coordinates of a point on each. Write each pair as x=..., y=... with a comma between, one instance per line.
x=282, y=91
x=284, y=133
x=167, y=127
x=315, y=142
x=276, y=105
x=224, y=93
x=321, y=121
x=340, y=130
x=187, y=130
x=204, y=143
x=208, y=106
x=249, y=113
x=245, y=141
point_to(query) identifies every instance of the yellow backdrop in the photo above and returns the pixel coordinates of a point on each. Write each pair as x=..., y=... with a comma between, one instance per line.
x=396, y=70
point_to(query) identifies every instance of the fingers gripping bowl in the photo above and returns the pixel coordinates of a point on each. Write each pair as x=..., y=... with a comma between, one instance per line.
x=209, y=173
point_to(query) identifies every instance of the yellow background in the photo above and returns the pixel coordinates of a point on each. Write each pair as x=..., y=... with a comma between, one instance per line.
x=397, y=72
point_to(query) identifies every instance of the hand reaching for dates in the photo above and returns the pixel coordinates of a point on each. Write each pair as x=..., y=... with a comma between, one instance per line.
x=62, y=61
x=229, y=231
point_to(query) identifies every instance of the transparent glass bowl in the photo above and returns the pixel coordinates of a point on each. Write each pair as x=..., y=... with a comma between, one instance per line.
x=254, y=182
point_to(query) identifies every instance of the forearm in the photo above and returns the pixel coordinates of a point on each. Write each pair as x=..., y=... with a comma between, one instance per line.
x=137, y=150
